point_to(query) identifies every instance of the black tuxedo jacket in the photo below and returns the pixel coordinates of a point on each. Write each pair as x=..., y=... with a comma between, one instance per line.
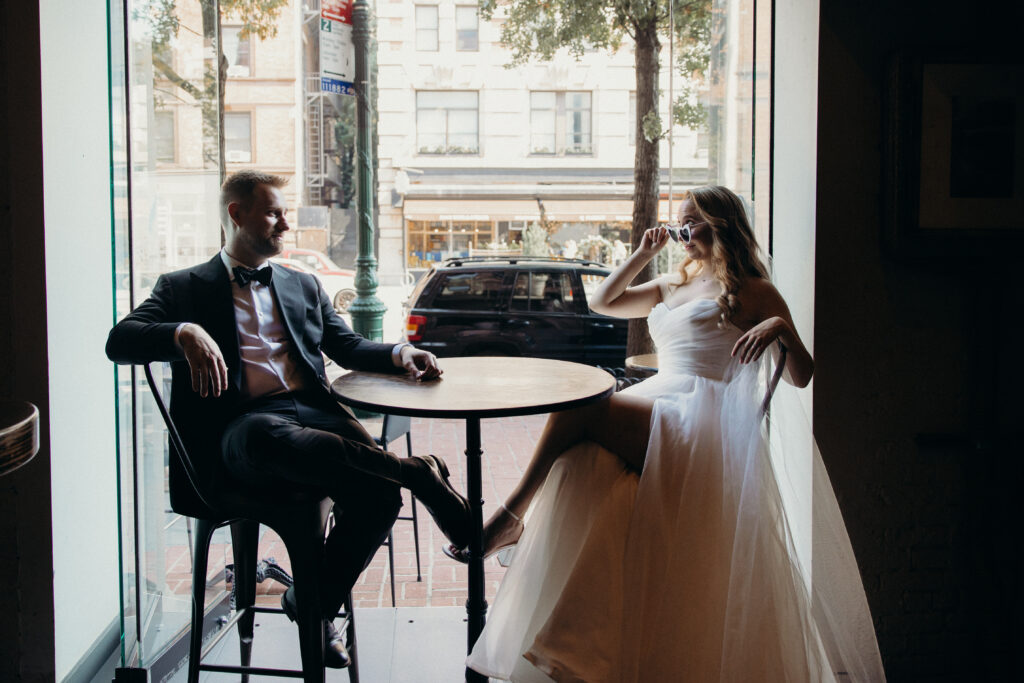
x=202, y=295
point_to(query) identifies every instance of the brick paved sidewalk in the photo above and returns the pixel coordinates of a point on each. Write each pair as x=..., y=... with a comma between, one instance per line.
x=507, y=445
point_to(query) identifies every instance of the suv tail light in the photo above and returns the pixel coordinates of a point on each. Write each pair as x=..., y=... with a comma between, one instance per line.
x=412, y=327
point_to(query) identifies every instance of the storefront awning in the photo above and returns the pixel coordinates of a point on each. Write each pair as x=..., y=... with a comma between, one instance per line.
x=559, y=210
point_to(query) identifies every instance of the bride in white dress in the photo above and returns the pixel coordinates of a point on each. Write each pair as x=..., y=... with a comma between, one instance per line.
x=657, y=546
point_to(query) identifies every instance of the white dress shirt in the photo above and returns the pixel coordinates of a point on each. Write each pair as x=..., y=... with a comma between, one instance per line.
x=263, y=343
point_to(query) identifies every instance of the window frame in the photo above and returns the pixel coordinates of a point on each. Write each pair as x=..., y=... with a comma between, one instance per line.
x=227, y=140
x=476, y=28
x=420, y=30
x=166, y=114
x=250, y=67
x=447, y=148
x=563, y=131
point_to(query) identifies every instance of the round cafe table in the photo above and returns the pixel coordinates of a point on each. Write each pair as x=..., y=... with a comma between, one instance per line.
x=472, y=389
x=647, y=362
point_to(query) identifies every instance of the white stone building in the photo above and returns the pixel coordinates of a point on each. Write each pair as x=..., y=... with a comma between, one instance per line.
x=468, y=147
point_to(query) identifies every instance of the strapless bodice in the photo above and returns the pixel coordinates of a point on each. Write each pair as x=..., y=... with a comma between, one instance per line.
x=689, y=340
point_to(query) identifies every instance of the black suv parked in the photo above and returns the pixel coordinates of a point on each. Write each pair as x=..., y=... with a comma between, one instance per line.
x=514, y=306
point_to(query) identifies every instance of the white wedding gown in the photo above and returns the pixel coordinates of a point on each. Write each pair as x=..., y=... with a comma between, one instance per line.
x=688, y=572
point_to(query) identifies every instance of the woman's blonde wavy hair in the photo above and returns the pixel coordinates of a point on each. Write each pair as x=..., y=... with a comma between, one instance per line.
x=735, y=254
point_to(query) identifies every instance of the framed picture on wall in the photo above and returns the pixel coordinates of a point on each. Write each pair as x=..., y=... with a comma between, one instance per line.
x=954, y=155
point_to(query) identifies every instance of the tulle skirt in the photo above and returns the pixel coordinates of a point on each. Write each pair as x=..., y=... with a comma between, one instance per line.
x=697, y=569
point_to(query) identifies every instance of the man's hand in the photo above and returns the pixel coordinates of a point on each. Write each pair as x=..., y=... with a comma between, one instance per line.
x=421, y=365
x=209, y=371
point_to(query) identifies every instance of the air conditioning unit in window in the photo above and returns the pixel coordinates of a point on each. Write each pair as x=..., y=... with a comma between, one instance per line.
x=236, y=155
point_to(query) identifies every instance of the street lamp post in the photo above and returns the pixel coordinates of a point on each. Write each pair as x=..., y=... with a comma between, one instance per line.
x=367, y=310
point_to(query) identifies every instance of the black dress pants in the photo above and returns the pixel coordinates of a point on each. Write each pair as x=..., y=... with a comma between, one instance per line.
x=307, y=442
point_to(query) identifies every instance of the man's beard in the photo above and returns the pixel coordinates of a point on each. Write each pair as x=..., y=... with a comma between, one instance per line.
x=265, y=247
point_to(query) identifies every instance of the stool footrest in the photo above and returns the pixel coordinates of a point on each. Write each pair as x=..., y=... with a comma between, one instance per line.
x=252, y=670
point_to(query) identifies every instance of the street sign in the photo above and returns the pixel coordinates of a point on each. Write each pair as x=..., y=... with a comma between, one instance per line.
x=337, y=55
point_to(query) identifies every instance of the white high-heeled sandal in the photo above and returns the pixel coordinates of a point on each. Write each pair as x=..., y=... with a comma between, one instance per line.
x=462, y=554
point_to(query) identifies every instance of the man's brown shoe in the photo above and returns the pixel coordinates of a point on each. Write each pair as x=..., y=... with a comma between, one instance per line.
x=448, y=507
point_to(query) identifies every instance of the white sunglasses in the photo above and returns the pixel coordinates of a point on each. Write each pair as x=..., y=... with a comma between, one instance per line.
x=683, y=233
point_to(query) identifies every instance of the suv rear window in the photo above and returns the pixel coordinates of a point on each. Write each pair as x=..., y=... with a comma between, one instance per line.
x=591, y=281
x=470, y=291
x=550, y=292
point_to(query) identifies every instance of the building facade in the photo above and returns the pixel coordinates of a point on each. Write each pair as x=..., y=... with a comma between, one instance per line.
x=471, y=152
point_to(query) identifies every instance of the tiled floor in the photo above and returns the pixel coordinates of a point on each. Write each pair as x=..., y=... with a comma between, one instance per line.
x=403, y=645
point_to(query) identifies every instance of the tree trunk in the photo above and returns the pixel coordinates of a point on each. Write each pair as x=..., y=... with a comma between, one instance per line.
x=213, y=77
x=646, y=167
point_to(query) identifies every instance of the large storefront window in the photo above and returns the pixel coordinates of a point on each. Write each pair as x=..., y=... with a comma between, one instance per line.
x=434, y=241
x=472, y=157
x=166, y=181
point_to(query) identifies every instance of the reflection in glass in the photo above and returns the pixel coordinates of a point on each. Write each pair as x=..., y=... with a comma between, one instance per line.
x=165, y=184
x=238, y=51
x=238, y=136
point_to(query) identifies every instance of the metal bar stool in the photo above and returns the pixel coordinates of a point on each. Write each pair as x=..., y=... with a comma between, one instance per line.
x=393, y=427
x=301, y=520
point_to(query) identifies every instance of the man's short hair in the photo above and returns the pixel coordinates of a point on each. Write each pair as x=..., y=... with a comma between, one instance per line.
x=241, y=187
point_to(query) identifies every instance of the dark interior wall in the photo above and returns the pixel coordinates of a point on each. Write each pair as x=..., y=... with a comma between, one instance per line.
x=904, y=350
x=26, y=559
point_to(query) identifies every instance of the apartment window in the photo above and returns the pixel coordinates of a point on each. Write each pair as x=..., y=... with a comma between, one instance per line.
x=543, y=114
x=238, y=51
x=238, y=137
x=467, y=28
x=426, y=28
x=163, y=137
x=560, y=123
x=447, y=122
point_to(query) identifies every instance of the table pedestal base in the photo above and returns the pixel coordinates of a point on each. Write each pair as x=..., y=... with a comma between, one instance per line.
x=476, y=604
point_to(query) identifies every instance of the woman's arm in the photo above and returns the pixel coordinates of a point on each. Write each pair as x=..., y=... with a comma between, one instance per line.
x=615, y=296
x=762, y=304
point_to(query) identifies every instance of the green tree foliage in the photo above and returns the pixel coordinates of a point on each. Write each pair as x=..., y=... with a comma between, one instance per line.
x=693, y=57
x=537, y=29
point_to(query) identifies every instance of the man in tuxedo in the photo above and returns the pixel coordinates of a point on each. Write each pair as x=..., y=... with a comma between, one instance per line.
x=244, y=338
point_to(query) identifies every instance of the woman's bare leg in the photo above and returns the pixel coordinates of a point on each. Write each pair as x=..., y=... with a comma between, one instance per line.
x=621, y=424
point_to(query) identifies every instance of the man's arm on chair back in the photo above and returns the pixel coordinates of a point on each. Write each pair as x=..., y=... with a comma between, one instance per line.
x=147, y=333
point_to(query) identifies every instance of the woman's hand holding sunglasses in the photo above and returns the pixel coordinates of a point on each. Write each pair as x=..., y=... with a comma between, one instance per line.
x=654, y=239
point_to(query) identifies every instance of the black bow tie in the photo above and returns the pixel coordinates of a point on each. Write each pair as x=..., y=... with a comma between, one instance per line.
x=243, y=275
